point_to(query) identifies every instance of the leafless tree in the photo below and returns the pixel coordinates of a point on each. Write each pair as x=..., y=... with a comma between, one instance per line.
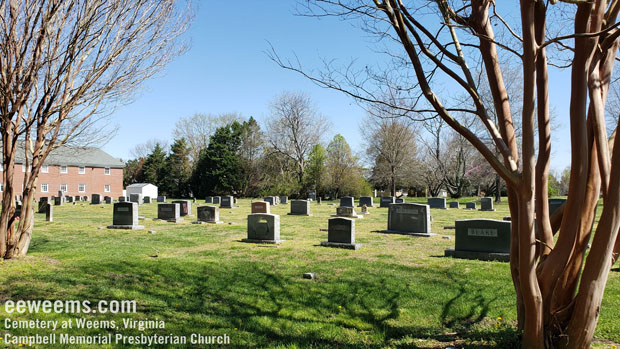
x=199, y=127
x=390, y=147
x=143, y=150
x=64, y=64
x=558, y=289
x=293, y=127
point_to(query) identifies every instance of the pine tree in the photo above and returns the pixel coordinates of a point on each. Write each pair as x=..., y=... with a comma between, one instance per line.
x=153, y=167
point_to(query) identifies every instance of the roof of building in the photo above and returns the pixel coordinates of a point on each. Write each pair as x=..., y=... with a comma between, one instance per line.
x=140, y=185
x=76, y=156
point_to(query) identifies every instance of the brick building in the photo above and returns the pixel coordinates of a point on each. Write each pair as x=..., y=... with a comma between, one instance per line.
x=74, y=171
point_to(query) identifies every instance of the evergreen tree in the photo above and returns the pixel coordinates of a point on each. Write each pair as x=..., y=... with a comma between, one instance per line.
x=219, y=169
x=132, y=173
x=316, y=170
x=154, y=166
x=177, y=171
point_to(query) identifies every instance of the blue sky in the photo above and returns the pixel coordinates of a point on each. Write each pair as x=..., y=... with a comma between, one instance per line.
x=227, y=70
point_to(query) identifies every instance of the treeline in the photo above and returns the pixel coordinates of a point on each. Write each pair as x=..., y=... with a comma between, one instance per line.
x=240, y=158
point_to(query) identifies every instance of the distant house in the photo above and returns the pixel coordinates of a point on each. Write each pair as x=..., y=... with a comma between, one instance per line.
x=74, y=171
x=146, y=189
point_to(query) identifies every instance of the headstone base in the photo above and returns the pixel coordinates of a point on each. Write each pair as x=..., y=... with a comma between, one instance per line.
x=341, y=245
x=231, y=207
x=129, y=227
x=487, y=209
x=257, y=241
x=426, y=235
x=203, y=222
x=483, y=256
x=299, y=214
x=352, y=216
x=173, y=220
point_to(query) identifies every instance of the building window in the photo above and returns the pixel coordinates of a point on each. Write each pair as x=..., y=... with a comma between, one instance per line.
x=45, y=169
x=1, y=187
x=63, y=188
x=107, y=171
x=106, y=188
x=63, y=169
x=82, y=188
x=81, y=170
x=44, y=188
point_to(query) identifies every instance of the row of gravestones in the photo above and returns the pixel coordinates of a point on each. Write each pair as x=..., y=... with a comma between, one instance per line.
x=486, y=204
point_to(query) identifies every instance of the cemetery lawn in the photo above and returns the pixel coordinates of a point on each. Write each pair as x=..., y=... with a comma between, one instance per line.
x=396, y=291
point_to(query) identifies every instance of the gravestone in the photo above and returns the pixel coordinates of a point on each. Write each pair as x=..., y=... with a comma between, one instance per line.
x=365, y=200
x=108, y=199
x=122, y=199
x=161, y=198
x=125, y=216
x=43, y=201
x=300, y=207
x=271, y=200
x=312, y=196
x=185, y=207
x=169, y=212
x=216, y=200
x=263, y=228
x=84, y=198
x=437, y=203
x=59, y=200
x=400, y=200
x=347, y=201
x=18, y=209
x=470, y=205
x=385, y=201
x=365, y=210
x=409, y=218
x=554, y=204
x=284, y=199
x=69, y=198
x=318, y=200
x=147, y=200
x=277, y=200
x=484, y=239
x=49, y=212
x=95, y=199
x=454, y=204
x=260, y=207
x=209, y=200
x=77, y=198
x=207, y=214
x=341, y=234
x=227, y=202
x=346, y=212
x=136, y=198
x=486, y=204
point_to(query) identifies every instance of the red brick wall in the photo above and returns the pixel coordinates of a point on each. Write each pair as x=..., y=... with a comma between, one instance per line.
x=94, y=178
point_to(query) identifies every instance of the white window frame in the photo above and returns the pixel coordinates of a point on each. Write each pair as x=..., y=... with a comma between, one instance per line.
x=65, y=189
x=107, y=188
x=82, y=170
x=45, y=169
x=83, y=190
x=45, y=188
x=64, y=169
x=107, y=171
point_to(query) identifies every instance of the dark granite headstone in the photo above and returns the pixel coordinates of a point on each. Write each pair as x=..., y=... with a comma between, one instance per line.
x=484, y=239
x=470, y=205
x=43, y=201
x=125, y=216
x=216, y=200
x=347, y=201
x=365, y=200
x=400, y=200
x=207, y=214
x=185, y=207
x=227, y=202
x=409, y=218
x=209, y=200
x=95, y=199
x=49, y=212
x=122, y=199
x=341, y=233
x=300, y=207
x=271, y=200
x=108, y=199
x=59, y=200
x=260, y=207
x=437, y=203
x=486, y=204
x=137, y=198
x=283, y=199
x=69, y=198
x=147, y=200
x=554, y=204
x=263, y=228
x=169, y=212
x=84, y=198
x=385, y=201
x=454, y=204
x=161, y=198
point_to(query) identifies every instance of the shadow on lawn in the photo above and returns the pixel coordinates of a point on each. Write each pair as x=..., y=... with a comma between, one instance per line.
x=275, y=308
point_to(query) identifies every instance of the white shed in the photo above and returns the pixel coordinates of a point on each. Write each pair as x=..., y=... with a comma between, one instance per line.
x=146, y=189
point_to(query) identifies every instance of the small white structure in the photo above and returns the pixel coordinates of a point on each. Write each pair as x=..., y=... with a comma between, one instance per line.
x=146, y=189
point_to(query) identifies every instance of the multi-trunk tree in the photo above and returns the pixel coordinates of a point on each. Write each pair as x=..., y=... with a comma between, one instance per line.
x=64, y=65
x=559, y=283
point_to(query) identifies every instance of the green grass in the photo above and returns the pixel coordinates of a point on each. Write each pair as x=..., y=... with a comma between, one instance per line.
x=396, y=291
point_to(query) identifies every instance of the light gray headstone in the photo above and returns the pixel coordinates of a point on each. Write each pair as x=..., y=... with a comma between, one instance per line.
x=300, y=207
x=208, y=214
x=263, y=227
x=409, y=218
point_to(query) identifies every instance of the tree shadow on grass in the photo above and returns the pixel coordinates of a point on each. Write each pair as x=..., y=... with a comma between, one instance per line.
x=275, y=308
